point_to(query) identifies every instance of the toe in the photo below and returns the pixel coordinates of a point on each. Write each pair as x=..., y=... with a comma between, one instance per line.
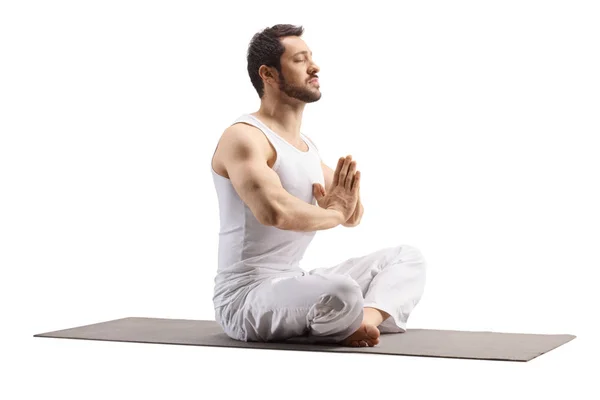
x=373, y=332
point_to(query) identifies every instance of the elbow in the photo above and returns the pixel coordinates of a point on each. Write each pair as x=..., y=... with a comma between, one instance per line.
x=274, y=212
x=278, y=220
x=272, y=217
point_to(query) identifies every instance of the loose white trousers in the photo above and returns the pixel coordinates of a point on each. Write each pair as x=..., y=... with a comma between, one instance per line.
x=325, y=305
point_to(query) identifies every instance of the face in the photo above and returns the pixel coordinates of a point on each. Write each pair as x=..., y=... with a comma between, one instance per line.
x=297, y=71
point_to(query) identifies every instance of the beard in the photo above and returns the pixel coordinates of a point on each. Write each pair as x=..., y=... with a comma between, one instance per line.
x=304, y=94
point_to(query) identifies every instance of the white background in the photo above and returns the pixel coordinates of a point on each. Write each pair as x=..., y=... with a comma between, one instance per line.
x=475, y=126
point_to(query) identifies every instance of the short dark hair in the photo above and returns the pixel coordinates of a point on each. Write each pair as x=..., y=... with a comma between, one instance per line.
x=266, y=49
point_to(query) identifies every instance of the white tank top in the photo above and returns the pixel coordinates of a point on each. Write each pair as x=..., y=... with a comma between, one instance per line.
x=250, y=252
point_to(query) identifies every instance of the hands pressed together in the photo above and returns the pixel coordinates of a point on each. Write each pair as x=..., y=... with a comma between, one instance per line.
x=344, y=194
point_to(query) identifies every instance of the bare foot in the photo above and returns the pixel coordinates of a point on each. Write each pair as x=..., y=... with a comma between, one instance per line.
x=365, y=335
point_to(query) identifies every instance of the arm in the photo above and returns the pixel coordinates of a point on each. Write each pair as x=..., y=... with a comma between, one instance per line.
x=354, y=220
x=260, y=188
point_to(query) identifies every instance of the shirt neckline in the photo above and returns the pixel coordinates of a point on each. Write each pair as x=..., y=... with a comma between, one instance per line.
x=280, y=137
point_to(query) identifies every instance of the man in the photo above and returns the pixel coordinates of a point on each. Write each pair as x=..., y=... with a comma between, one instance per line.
x=274, y=193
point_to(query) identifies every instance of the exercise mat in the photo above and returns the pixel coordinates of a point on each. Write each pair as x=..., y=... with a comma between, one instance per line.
x=413, y=342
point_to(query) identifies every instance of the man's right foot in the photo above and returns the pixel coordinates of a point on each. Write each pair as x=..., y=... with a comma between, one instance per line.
x=365, y=335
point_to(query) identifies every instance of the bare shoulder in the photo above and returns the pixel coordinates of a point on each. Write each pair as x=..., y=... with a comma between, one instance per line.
x=237, y=141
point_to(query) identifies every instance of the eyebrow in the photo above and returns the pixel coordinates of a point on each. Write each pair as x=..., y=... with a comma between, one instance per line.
x=302, y=52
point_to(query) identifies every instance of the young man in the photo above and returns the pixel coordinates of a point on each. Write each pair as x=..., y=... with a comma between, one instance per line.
x=274, y=193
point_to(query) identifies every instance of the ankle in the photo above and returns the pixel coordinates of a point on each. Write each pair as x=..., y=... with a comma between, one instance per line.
x=374, y=316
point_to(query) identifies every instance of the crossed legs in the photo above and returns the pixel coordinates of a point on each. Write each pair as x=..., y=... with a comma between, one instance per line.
x=350, y=303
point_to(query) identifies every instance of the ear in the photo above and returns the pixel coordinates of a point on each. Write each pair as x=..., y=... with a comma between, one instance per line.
x=266, y=73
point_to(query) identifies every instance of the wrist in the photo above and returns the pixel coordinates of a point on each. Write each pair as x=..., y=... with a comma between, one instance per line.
x=338, y=215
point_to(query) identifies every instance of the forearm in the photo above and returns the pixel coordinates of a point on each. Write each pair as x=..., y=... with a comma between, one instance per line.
x=294, y=214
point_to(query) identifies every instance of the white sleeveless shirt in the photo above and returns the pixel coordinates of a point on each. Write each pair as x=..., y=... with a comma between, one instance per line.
x=249, y=251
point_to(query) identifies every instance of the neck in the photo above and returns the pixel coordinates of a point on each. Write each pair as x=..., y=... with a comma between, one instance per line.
x=284, y=118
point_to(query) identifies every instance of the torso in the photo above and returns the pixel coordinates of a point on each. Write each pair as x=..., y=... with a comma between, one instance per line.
x=269, y=150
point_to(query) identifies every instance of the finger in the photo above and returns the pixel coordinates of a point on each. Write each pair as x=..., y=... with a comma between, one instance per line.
x=350, y=176
x=336, y=174
x=344, y=171
x=356, y=182
x=317, y=190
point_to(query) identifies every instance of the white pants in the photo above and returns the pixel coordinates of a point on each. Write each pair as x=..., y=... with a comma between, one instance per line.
x=326, y=304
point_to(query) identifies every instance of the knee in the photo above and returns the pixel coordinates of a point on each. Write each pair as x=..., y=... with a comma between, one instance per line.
x=410, y=251
x=338, y=307
x=412, y=254
x=342, y=292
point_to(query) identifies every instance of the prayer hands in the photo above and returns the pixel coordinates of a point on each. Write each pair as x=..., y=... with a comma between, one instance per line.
x=344, y=191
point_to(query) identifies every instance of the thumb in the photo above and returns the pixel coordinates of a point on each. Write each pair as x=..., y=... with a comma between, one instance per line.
x=318, y=190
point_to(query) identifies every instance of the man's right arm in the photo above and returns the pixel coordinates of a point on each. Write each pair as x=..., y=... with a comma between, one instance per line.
x=261, y=190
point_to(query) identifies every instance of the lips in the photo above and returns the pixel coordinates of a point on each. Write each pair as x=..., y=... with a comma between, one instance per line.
x=314, y=80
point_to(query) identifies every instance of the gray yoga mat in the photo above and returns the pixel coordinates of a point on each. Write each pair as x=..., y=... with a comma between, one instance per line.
x=414, y=342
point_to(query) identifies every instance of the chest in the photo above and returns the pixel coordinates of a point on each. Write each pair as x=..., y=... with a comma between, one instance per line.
x=298, y=173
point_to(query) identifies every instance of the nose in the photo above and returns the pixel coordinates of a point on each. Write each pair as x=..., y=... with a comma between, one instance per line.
x=314, y=68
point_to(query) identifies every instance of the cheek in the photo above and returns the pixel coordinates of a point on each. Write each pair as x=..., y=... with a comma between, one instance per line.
x=298, y=72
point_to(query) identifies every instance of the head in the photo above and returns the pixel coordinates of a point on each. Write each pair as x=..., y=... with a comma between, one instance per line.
x=280, y=62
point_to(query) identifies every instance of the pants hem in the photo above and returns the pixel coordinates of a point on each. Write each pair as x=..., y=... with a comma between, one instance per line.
x=393, y=324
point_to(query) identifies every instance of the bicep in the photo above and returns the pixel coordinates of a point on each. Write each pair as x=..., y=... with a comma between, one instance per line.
x=255, y=183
